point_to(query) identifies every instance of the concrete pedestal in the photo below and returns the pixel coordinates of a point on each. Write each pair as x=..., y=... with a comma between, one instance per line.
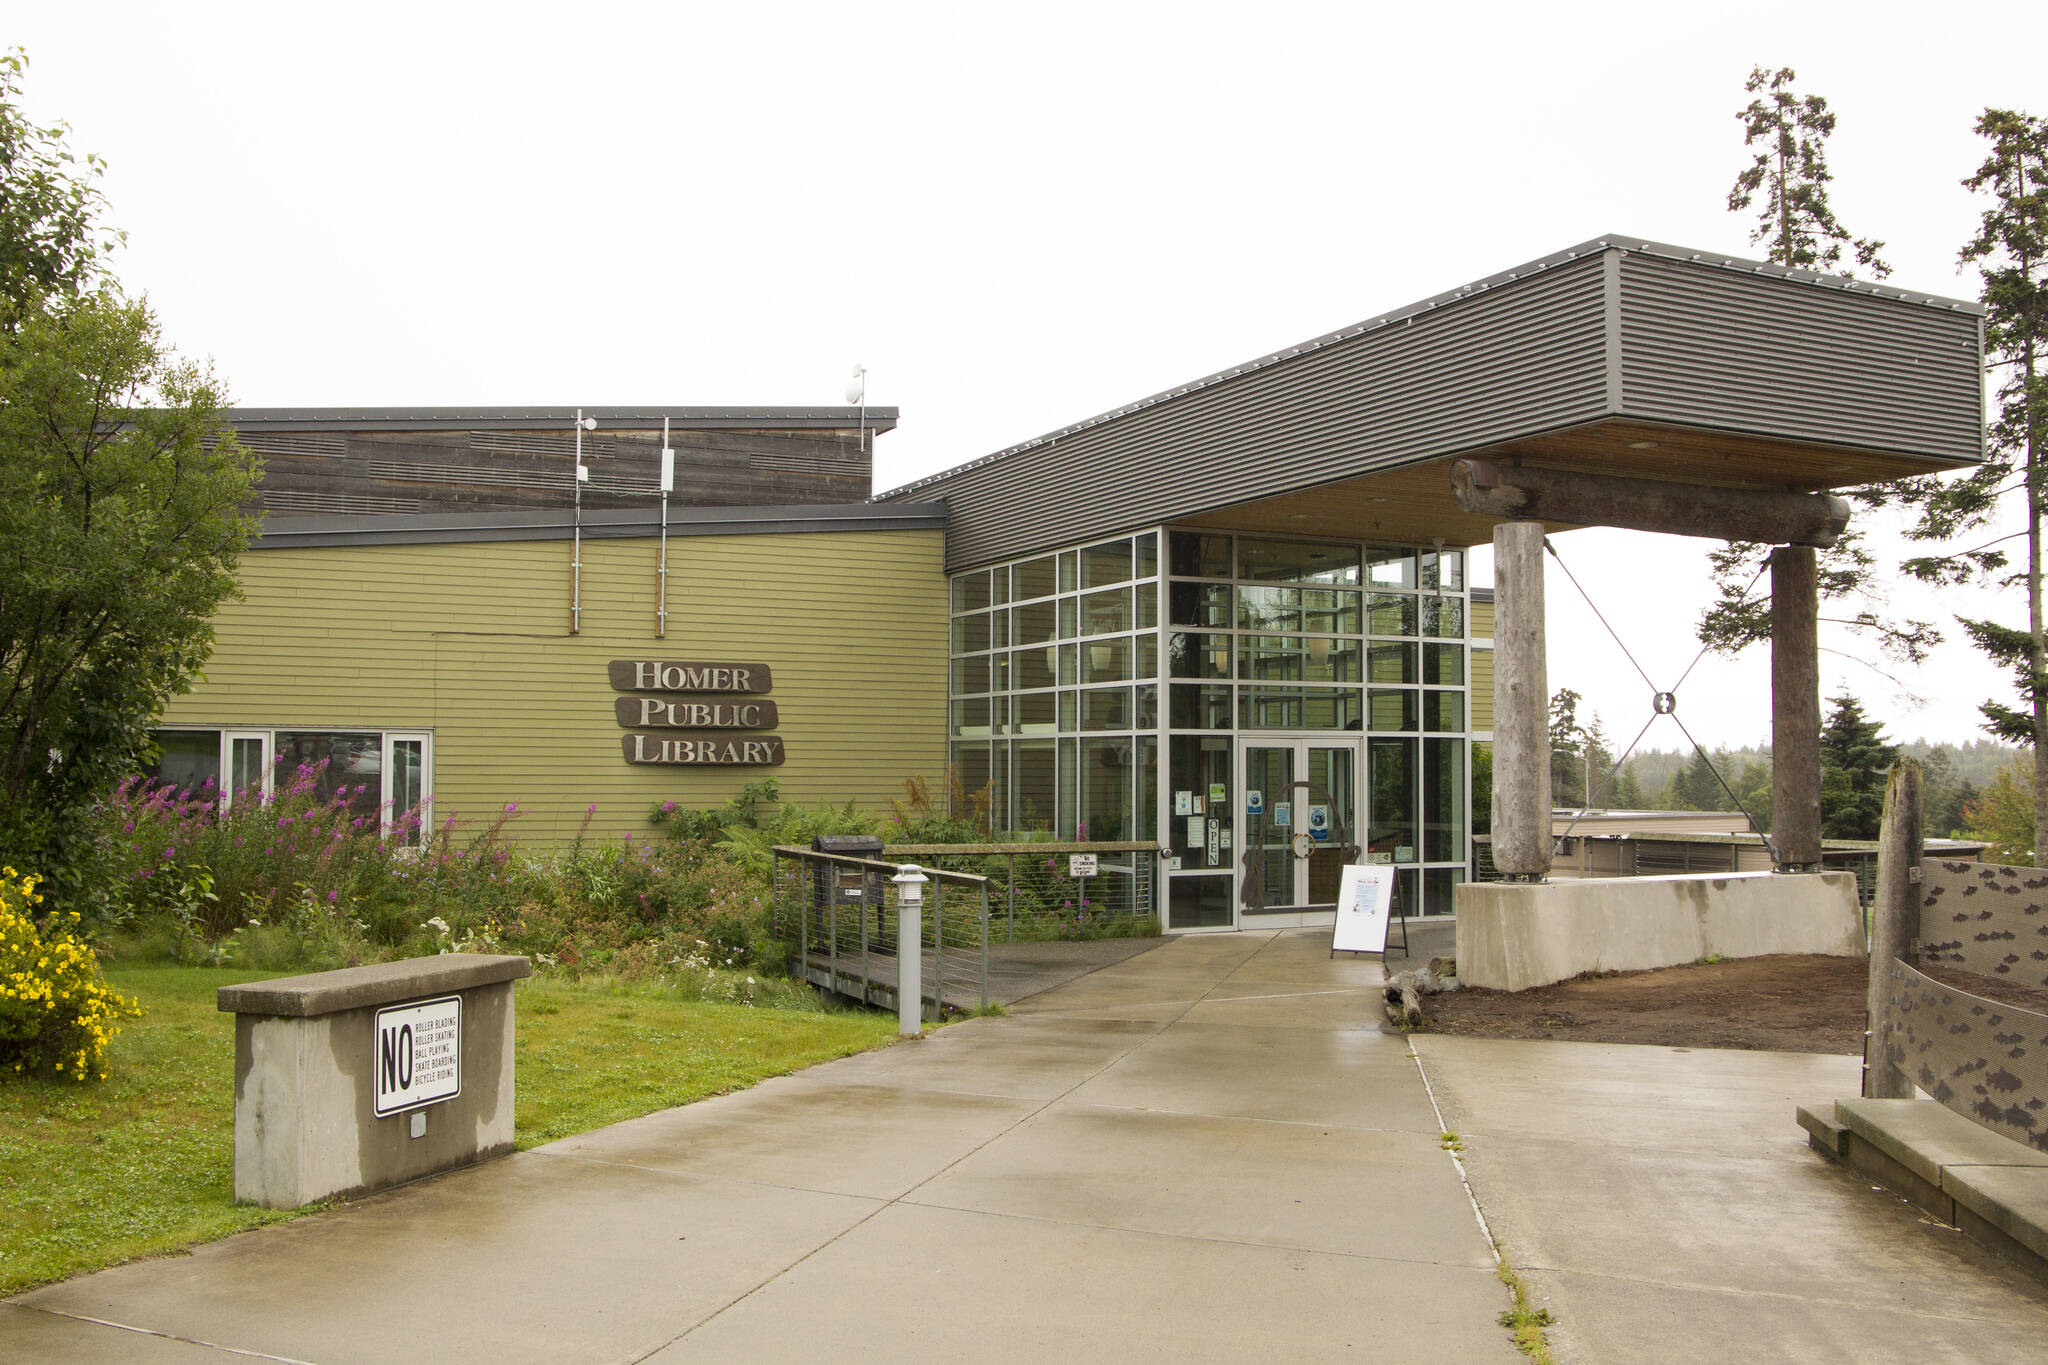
x=305, y=1057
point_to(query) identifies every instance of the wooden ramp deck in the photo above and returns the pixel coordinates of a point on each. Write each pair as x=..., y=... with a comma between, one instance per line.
x=1015, y=970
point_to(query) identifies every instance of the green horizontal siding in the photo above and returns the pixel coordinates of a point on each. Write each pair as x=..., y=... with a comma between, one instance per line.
x=1482, y=668
x=471, y=641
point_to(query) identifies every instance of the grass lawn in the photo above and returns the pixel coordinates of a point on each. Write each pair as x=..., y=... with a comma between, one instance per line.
x=143, y=1163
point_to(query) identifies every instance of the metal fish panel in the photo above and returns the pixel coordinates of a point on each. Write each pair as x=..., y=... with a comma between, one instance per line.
x=1709, y=346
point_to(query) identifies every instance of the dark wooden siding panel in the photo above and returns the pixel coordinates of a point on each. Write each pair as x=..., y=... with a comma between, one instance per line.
x=1713, y=347
x=378, y=472
x=1519, y=358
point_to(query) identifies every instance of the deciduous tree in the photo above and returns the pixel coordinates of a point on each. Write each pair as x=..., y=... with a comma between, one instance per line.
x=120, y=489
x=2003, y=816
x=1753, y=790
x=50, y=243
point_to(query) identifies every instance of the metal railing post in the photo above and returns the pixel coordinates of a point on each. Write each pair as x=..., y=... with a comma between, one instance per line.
x=803, y=929
x=938, y=908
x=984, y=947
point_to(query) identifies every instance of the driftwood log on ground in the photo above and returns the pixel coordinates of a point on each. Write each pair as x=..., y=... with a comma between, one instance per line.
x=1405, y=990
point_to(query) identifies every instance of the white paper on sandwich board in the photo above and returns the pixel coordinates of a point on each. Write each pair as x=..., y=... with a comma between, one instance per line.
x=1365, y=901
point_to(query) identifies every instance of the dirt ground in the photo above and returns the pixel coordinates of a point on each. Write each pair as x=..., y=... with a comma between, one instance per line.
x=1779, y=1004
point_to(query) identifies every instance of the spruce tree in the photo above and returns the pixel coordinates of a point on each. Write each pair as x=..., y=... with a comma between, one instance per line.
x=1698, y=785
x=1787, y=135
x=2010, y=250
x=1790, y=170
x=1854, y=761
x=1567, y=751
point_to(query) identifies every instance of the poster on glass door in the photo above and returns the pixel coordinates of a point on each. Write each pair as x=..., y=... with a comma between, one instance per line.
x=1365, y=899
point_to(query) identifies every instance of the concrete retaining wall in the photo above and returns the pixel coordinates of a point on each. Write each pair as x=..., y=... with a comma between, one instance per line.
x=1512, y=936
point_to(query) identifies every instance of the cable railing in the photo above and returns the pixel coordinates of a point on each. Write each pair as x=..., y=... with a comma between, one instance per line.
x=1041, y=889
x=840, y=916
x=839, y=913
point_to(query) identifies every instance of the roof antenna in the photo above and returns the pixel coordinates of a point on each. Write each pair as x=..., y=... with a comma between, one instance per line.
x=857, y=394
x=582, y=477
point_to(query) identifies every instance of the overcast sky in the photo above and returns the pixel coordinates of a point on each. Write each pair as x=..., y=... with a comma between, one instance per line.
x=1015, y=216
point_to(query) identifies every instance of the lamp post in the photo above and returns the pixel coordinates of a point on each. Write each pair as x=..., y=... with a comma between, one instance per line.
x=910, y=880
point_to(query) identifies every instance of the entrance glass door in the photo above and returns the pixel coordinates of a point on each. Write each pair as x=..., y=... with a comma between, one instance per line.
x=1298, y=823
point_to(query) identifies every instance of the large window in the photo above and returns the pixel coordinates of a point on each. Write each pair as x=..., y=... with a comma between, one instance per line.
x=382, y=773
x=1055, y=678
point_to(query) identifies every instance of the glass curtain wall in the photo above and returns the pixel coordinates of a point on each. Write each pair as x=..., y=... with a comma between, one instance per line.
x=1267, y=633
x=1073, y=671
x=1055, y=693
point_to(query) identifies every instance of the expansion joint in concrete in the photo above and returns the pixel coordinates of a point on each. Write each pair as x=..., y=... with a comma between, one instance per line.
x=166, y=1336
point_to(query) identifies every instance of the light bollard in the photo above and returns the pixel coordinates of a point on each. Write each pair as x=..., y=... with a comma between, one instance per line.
x=910, y=880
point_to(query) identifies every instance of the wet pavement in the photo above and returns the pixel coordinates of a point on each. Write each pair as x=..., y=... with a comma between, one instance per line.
x=1210, y=1151
x=1014, y=970
x=1663, y=1204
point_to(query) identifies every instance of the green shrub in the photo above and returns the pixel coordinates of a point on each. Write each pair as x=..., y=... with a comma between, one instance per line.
x=56, y=1014
x=302, y=881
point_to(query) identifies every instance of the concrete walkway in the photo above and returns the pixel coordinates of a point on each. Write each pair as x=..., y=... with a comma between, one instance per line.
x=1663, y=1204
x=1206, y=1152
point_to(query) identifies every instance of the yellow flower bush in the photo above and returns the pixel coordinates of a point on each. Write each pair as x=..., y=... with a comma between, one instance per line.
x=56, y=1014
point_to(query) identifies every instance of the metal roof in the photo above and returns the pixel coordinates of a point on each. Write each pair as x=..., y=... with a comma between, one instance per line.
x=1595, y=246
x=615, y=418
x=1619, y=355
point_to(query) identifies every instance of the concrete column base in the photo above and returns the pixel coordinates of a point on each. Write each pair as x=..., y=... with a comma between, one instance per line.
x=1515, y=936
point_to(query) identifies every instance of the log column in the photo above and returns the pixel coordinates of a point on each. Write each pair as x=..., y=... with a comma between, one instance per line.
x=1521, y=705
x=1795, y=708
x=1894, y=924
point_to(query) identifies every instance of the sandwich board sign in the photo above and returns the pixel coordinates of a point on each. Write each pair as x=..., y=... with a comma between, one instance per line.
x=1365, y=899
x=418, y=1055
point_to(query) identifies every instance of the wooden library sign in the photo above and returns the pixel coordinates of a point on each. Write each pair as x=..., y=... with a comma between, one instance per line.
x=656, y=675
x=721, y=751
x=694, y=713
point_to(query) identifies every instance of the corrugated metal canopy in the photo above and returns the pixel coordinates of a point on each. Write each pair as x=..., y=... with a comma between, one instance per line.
x=1618, y=356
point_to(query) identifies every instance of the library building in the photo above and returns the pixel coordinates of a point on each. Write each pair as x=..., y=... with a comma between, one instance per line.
x=1234, y=619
